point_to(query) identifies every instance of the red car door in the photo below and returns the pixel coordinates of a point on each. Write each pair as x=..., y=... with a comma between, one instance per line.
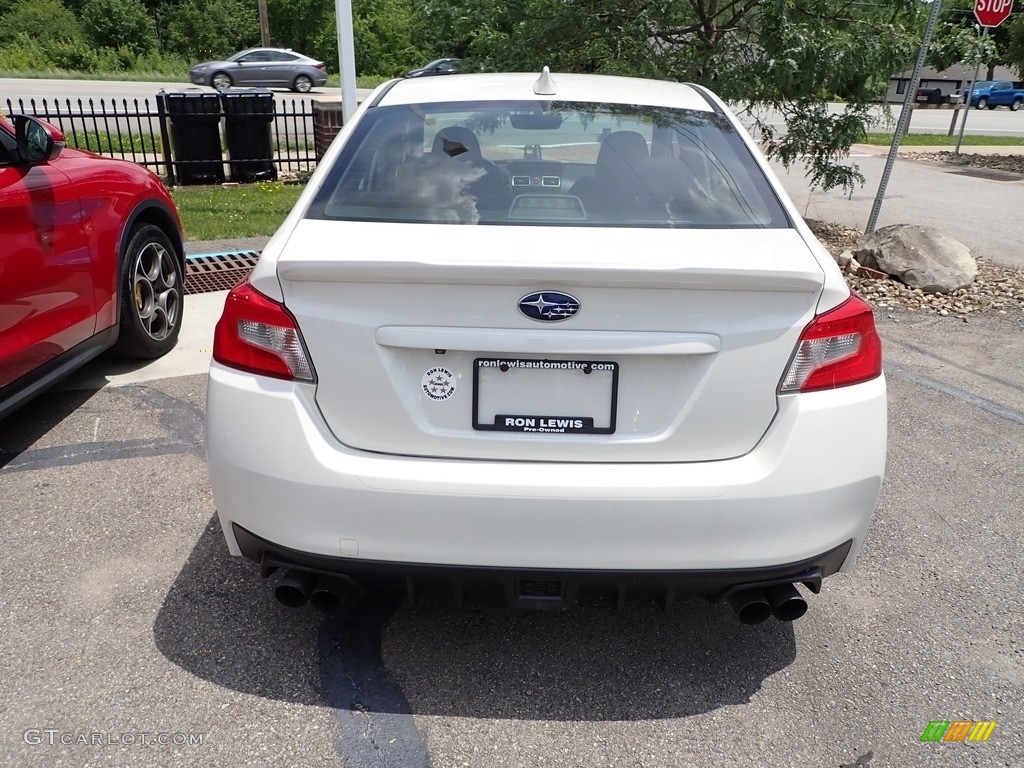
x=47, y=301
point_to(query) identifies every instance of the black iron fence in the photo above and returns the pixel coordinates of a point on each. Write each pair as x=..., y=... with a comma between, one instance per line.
x=189, y=137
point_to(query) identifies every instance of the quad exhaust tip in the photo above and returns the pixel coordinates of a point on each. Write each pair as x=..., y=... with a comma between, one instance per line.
x=750, y=606
x=325, y=593
x=295, y=588
x=333, y=592
x=787, y=604
x=783, y=601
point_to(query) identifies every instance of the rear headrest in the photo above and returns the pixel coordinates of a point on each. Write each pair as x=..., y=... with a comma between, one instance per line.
x=619, y=149
x=456, y=141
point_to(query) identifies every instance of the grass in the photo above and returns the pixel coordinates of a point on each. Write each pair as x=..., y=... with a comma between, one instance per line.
x=113, y=144
x=248, y=210
x=942, y=140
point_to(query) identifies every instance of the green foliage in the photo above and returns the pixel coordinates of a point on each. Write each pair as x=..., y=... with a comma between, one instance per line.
x=75, y=56
x=306, y=26
x=38, y=34
x=119, y=24
x=211, y=29
x=785, y=56
x=23, y=57
x=805, y=53
x=19, y=56
x=958, y=39
x=154, y=64
x=43, y=22
x=383, y=31
x=1013, y=45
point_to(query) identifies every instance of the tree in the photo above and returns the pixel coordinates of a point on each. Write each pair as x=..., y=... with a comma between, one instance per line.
x=958, y=39
x=42, y=21
x=1014, y=50
x=785, y=56
x=211, y=29
x=119, y=24
x=303, y=25
x=383, y=32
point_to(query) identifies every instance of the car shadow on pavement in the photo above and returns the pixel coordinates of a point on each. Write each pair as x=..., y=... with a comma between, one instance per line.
x=26, y=426
x=220, y=622
x=593, y=663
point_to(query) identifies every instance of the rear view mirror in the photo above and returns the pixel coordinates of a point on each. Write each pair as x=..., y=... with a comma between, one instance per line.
x=535, y=121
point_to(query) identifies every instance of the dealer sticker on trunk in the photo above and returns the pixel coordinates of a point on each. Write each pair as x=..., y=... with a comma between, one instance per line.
x=438, y=383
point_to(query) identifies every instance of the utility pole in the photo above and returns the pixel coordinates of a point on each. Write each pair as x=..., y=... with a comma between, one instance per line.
x=264, y=24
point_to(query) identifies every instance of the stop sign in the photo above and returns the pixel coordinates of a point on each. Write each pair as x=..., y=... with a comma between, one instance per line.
x=992, y=13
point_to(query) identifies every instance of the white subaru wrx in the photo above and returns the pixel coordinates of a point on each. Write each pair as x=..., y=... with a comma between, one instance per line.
x=551, y=333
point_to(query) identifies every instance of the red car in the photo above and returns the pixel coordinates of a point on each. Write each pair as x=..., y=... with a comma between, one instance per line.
x=91, y=258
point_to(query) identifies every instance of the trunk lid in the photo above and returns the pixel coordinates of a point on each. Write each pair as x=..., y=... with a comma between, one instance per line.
x=421, y=349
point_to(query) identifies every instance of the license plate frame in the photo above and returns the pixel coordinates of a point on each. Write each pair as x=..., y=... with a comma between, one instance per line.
x=510, y=421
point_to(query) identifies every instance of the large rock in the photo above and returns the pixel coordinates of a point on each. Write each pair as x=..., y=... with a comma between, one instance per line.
x=921, y=257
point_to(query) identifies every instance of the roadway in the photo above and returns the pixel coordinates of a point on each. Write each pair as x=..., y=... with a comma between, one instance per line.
x=998, y=122
x=26, y=89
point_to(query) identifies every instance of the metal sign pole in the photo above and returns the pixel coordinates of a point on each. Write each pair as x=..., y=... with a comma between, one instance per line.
x=908, y=105
x=970, y=93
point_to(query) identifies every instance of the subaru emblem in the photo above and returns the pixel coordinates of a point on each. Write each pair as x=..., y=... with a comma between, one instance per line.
x=549, y=306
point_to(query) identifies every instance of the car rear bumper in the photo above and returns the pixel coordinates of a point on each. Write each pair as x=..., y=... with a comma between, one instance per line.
x=528, y=586
x=277, y=473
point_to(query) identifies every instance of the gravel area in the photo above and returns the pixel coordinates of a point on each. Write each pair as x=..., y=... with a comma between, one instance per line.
x=996, y=289
x=1009, y=163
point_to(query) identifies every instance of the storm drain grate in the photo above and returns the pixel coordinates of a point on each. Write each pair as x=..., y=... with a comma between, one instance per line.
x=990, y=174
x=217, y=271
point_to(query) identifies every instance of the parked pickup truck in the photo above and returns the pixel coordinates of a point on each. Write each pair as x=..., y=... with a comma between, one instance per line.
x=994, y=93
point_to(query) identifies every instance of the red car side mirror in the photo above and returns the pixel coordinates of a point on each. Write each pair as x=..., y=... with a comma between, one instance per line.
x=38, y=142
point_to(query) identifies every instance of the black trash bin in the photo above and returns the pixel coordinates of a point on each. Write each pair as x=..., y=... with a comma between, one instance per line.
x=248, y=115
x=195, y=137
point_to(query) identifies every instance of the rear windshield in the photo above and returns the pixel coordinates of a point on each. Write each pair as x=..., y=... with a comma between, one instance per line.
x=551, y=163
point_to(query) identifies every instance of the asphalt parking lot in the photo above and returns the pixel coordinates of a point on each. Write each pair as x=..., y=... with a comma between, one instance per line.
x=131, y=638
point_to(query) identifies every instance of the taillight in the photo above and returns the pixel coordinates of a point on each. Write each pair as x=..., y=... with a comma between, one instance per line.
x=320, y=65
x=257, y=334
x=839, y=348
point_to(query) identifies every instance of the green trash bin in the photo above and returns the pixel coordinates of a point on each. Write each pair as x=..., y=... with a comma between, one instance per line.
x=248, y=115
x=195, y=137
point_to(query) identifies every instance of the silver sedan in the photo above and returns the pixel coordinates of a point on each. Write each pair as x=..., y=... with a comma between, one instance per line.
x=269, y=67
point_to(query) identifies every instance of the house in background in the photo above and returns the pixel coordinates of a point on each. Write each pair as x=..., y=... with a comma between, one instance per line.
x=947, y=80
